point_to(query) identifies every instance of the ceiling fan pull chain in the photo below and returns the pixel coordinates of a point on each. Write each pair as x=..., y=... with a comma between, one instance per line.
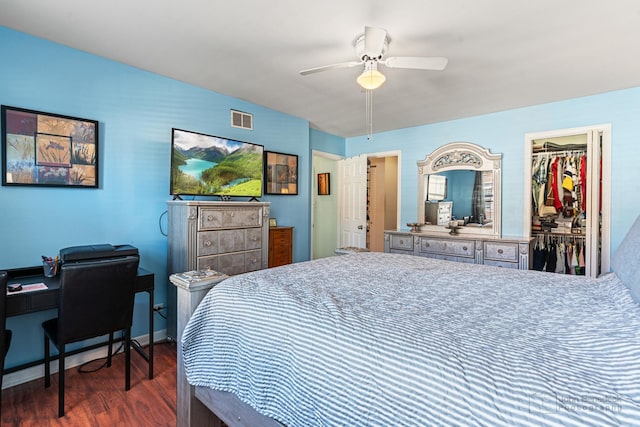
x=369, y=113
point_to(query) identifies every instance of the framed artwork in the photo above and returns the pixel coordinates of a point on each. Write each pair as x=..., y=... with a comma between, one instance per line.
x=45, y=149
x=280, y=173
x=324, y=188
x=273, y=222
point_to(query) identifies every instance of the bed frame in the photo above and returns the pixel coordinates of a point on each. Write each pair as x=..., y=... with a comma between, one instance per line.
x=202, y=406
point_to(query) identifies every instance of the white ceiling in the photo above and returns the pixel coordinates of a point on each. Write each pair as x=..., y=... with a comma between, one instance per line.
x=503, y=54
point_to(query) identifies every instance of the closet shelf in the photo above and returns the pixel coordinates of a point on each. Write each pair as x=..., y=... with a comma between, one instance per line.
x=557, y=233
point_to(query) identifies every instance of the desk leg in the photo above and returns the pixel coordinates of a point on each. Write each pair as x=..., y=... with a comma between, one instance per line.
x=147, y=355
x=151, y=334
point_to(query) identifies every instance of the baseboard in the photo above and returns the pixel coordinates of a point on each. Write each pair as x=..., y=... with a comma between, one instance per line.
x=36, y=372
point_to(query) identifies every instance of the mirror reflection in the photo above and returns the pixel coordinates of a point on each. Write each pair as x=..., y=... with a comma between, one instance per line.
x=469, y=194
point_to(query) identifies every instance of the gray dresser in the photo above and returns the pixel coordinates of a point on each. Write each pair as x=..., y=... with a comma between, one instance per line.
x=228, y=237
x=500, y=252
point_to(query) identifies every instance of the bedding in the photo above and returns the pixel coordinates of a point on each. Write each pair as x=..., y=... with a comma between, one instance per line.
x=374, y=339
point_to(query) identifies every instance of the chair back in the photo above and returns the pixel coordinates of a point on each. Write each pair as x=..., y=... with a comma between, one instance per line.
x=3, y=316
x=96, y=297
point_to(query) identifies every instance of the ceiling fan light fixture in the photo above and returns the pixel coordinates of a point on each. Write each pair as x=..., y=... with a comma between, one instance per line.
x=371, y=78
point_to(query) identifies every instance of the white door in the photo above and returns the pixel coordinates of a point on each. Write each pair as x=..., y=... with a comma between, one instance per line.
x=352, y=203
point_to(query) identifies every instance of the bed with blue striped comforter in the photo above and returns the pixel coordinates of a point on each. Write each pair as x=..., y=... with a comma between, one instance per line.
x=374, y=339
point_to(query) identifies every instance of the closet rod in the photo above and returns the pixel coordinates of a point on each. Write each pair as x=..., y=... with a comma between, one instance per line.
x=563, y=153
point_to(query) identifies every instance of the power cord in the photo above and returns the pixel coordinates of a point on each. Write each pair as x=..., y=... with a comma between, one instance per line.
x=158, y=311
x=82, y=369
x=160, y=223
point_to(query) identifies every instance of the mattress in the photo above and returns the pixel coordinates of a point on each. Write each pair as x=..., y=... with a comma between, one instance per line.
x=373, y=339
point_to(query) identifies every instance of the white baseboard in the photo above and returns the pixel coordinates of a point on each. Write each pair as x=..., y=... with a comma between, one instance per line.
x=35, y=372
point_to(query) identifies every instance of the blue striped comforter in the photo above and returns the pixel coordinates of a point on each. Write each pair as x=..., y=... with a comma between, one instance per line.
x=374, y=339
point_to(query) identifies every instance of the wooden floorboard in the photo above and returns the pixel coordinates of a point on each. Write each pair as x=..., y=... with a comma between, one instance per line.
x=98, y=399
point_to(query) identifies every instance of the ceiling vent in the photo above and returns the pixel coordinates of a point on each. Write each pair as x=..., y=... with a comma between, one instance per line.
x=241, y=120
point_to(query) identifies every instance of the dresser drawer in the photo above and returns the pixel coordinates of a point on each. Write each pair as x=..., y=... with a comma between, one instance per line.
x=452, y=258
x=235, y=217
x=464, y=248
x=501, y=251
x=232, y=263
x=503, y=264
x=234, y=240
x=401, y=242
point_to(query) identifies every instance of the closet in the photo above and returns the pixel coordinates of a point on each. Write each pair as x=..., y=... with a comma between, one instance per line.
x=565, y=213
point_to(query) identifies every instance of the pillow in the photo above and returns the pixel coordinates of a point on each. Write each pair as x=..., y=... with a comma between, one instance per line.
x=626, y=261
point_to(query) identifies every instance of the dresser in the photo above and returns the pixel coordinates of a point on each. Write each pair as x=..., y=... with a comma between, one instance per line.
x=500, y=252
x=228, y=237
x=280, y=246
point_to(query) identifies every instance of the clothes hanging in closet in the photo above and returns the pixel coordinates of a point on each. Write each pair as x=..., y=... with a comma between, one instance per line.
x=559, y=184
x=563, y=255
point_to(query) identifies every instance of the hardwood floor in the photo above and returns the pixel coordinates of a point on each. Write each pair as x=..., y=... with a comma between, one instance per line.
x=99, y=399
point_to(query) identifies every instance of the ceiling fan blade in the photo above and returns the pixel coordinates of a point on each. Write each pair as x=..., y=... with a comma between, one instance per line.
x=374, y=41
x=436, y=63
x=331, y=67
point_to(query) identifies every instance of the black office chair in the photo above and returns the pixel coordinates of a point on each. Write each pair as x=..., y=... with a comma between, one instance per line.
x=96, y=298
x=5, y=338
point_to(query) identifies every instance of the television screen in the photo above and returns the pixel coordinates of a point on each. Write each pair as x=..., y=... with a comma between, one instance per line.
x=206, y=165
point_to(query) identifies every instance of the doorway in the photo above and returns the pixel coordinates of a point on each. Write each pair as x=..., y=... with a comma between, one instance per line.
x=324, y=207
x=380, y=204
x=571, y=210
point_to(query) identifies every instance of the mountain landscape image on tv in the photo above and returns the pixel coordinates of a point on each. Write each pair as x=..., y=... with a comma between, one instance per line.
x=206, y=165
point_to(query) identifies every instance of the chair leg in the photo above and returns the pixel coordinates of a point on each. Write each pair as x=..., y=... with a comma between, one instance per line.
x=127, y=359
x=110, y=350
x=61, y=382
x=47, y=360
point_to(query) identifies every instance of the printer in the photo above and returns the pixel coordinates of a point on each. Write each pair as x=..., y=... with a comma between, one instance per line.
x=96, y=252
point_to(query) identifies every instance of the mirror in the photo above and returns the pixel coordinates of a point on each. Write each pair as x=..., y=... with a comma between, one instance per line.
x=459, y=185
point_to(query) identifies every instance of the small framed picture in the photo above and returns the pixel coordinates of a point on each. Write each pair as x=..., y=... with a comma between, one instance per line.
x=324, y=188
x=273, y=222
x=281, y=173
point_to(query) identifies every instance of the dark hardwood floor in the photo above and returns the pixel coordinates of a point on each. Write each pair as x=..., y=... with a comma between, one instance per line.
x=98, y=398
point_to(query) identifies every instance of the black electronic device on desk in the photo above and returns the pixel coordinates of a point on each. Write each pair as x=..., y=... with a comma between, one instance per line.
x=95, y=252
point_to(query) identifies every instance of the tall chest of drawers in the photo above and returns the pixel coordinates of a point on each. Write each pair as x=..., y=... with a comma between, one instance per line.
x=229, y=237
x=280, y=246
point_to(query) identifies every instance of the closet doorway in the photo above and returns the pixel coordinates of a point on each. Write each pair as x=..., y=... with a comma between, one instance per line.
x=567, y=199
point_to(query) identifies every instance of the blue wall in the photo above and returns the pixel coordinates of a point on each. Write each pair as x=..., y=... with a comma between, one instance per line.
x=326, y=142
x=504, y=133
x=136, y=111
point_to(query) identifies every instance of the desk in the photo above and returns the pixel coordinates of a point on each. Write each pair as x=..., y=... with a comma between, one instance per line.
x=30, y=302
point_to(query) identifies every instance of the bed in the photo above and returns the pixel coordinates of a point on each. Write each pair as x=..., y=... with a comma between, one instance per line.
x=373, y=339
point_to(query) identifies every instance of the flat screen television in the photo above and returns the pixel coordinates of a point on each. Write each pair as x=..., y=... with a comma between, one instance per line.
x=207, y=165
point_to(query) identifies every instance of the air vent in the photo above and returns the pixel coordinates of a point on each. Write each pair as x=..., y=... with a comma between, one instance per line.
x=241, y=120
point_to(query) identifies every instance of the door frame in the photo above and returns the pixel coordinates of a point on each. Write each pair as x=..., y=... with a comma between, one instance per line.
x=605, y=155
x=398, y=154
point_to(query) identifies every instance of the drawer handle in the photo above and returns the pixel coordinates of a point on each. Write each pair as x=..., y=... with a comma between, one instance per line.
x=401, y=242
x=207, y=243
x=500, y=251
x=254, y=260
x=209, y=217
x=426, y=244
x=464, y=248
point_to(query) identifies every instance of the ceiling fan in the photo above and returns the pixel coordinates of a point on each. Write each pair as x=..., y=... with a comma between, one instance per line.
x=370, y=49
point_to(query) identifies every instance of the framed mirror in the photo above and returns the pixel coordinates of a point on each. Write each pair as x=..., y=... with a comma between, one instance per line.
x=460, y=182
